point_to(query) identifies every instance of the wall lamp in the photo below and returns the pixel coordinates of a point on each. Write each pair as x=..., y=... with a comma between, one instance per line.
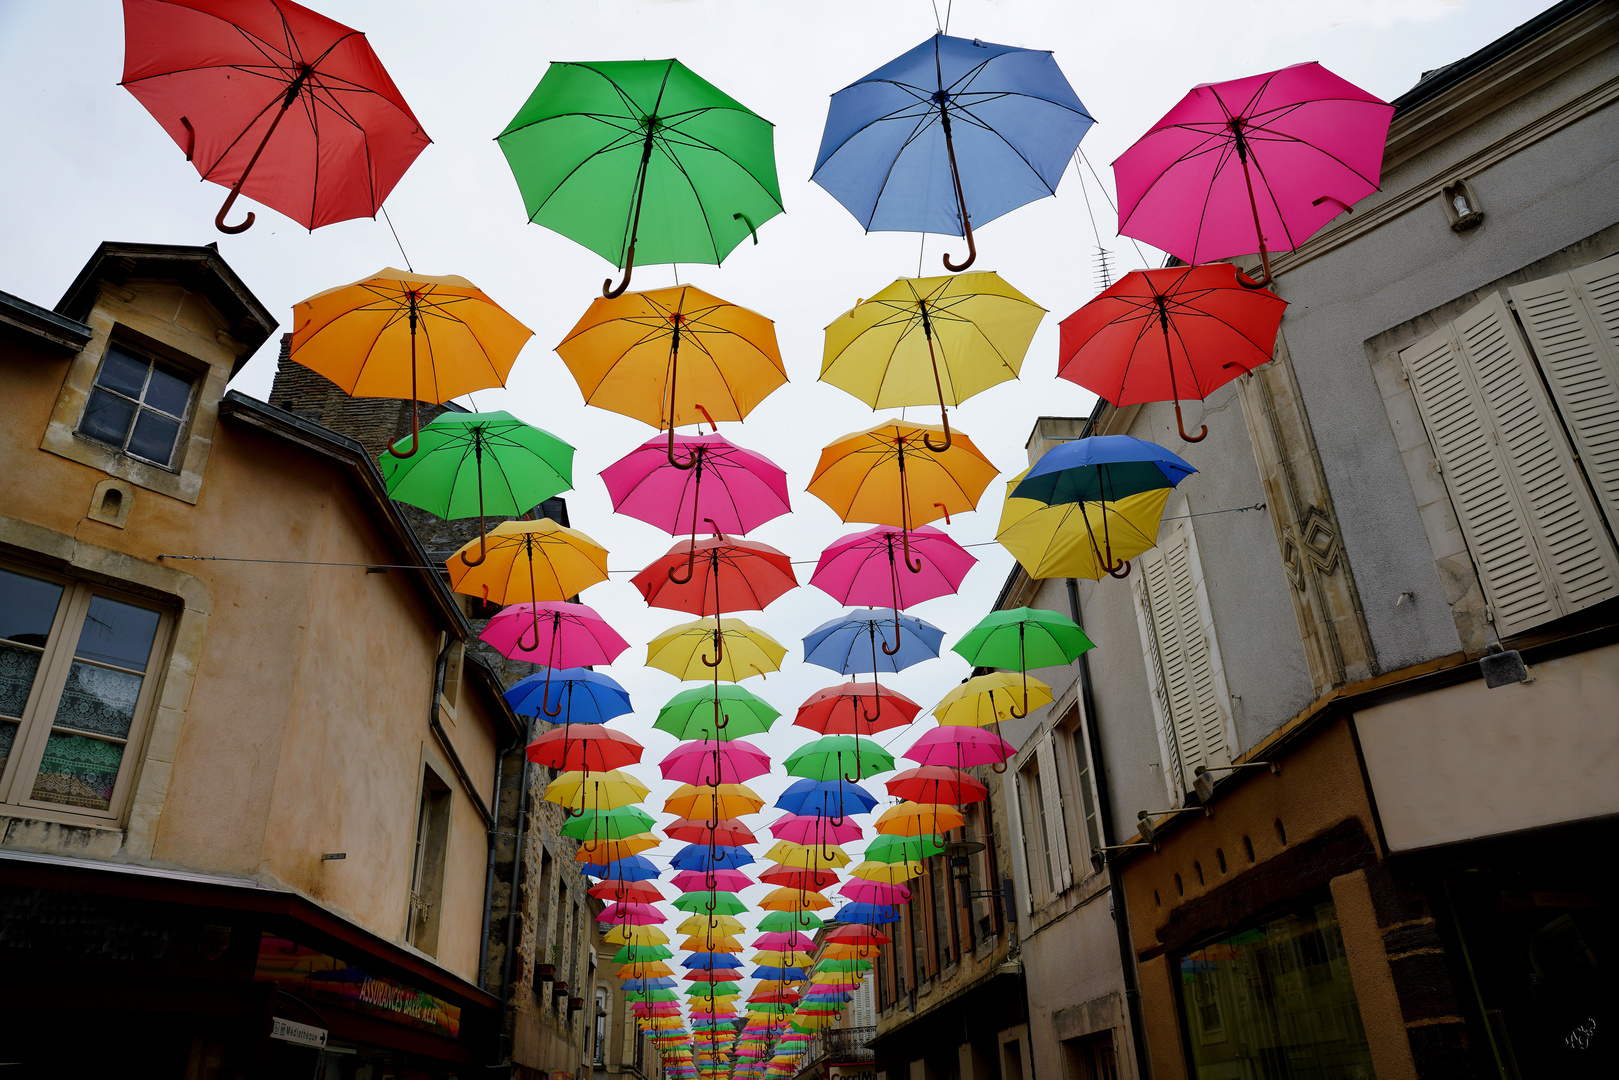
x=1203, y=783
x=1144, y=820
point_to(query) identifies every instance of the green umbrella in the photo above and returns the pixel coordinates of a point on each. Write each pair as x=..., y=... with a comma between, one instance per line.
x=479, y=463
x=1021, y=638
x=726, y=903
x=689, y=715
x=596, y=144
x=719, y=989
x=614, y=824
x=632, y=954
x=843, y=965
x=790, y=920
x=886, y=848
x=826, y=757
x=651, y=995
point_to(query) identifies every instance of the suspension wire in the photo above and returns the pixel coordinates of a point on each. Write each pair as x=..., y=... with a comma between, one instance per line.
x=921, y=249
x=391, y=229
x=936, y=24
x=1104, y=269
x=1111, y=204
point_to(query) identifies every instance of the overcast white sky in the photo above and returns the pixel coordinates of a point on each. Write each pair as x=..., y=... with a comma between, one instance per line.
x=84, y=162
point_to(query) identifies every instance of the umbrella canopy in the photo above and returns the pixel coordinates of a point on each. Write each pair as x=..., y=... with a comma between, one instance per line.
x=863, y=568
x=234, y=82
x=593, y=748
x=726, y=903
x=787, y=853
x=713, y=482
x=599, y=791
x=952, y=134
x=894, y=873
x=926, y=340
x=867, y=914
x=887, y=476
x=705, y=650
x=813, y=829
x=673, y=357
x=405, y=335
x=936, y=784
x=1258, y=162
x=556, y=635
x=719, y=574
x=898, y=849
x=528, y=560
x=1023, y=638
x=790, y=899
x=631, y=914
x=790, y=939
x=988, y=699
x=1101, y=468
x=690, y=714
x=730, y=832
x=629, y=868
x=917, y=819
x=808, y=879
x=708, y=764
x=709, y=857
x=869, y=892
x=1081, y=540
x=1161, y=335
x=733, y=800
x=635, y=892
x=574, y=695
x=627, y=156
x=869, y=641
x=620, y=821
x=825, y=797
x=697, y=880
x=855, y=709
x=838, y=756
x=725, y=924
x=960, y=747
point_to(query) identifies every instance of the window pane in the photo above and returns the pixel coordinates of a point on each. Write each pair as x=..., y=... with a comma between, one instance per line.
x=27, y=606
x=17, y=670
x=8, y=735
x=107, y=418
x=77, y=771
x=117, y=633
x=154, y=437
x=98, y=700
x=168, y=391
x=123, y=373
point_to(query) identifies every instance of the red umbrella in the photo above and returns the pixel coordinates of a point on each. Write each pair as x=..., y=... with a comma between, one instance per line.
x=856, y=934
x=1160, y=335
x=937, y=784
x=792, y=877
x=232, y=79
x=728, y=832
x=592, y=748
x=633, y=892
x=853, y=708
x=719, y=574
x=1262, y=161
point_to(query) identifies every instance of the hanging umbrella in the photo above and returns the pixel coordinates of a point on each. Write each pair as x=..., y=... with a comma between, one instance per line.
x=851, y=643
x=725, y=924
x=633, y=953
x=743, y=489
x=704, y=650
x=726, y=880
x=1079, y=540
x=600, y=791
x=574, y=695
x=1156, y=333
x=626, y=355
x=869, y=892
x=961, y=747
x=855, y=709
x=636, y=892
x=865, y=914
x=733, y=800
x=926, y=340
x=528, y=560
x=730, y=832
x=597, y=143
x=988, y=699
x=593, y=748
x=790, y=939
x=605, y=850
x=229, y=81
x=824, y=797
x=815, y=856
x=863, y=568
x=809, y=879
x=709, y=857
x=632, y=915
x=936, y=784
x=629, y=868
x=720, y=574
x=919, y=819
x=705, y=765
x=726, y=903
x=1257, y=163
x=812, y=829
x=899, y=849
x=1021, y=638
x=715, y=941
x=364, y=337
x=789, y=899
x=553, y=635
x=635, y=935
x=690, y=714
x=952, y=134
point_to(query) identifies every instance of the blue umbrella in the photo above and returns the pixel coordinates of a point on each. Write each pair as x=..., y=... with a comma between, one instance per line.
x=710, y=960
x=869, y=914
x=850, y=643
x=638, y=986
x=703, y=857
x=823, y=797
x=785, y=974
x=579, y=696
x=629, y=868
x=952, y=124
x=1102, y=468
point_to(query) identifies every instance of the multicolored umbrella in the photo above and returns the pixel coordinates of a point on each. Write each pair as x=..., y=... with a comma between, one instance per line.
x=1062, y=540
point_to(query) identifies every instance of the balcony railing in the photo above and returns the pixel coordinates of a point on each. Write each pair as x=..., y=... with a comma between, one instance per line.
x=841, y=1044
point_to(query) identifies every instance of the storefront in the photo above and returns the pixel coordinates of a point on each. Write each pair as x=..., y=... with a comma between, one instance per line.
x=197, y=977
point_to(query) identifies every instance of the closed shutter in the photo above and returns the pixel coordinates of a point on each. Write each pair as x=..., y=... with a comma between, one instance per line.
x=1018, y=820
x=1184, y=661
x=1057, y=849
x=1573, y=323
x=1152, y=569
x=1529, y=522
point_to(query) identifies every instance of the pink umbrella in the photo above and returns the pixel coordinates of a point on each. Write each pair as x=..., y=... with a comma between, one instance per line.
x=863, y=568
x=862, y=891
x=736, y=762
x=553, y=635
x=1254, y=163
x=699, y=880
x=732, y=489
x=786, y=940
x=960, y=747
x=631, y=914
x=807, y=829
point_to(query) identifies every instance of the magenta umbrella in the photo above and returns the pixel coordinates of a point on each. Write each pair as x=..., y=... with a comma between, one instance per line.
x=786, y=941
x=1260, y=163
x=731, y=489
x=807, y=829
x=553, y=635
x=862, y=891
x=631, y=915
x=736, y=762
x=961, y=747
x=700, y=881
x=863, y=568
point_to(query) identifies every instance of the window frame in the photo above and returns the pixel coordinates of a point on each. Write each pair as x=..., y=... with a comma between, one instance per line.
x=122, y=344
x=34, y=727
x=1085, y=833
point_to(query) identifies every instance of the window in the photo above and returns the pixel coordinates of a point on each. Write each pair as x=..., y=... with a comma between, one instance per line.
x=138, y=405
x=75, y=691
x=1531, y=475
x=427, y=869
x=599, y=1031
x=1274, y=1000
x=1177, y=638
x=1084, y=806
x=1045, y=843
x=1092, y=1057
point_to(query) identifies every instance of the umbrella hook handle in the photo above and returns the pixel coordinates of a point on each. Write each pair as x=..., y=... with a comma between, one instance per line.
x=905, y=544
x=483, y=524
x=691, y=564
x=635, y=223
x=1121, y=571
x=1253, y=204
x=1199, y=437
x=294, y=88
x=719, y=648
x=961, y=201
x=676, y=462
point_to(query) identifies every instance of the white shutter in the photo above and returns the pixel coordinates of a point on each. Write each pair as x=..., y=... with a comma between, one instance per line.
x=1154, y=579
x=1020, y=863
x=1184, y=662
x=1573, y=323
x=1528, y=519
x=1051, y=793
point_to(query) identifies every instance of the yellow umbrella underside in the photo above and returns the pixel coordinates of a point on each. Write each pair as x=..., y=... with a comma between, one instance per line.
x=812, y=857
x=787, y=898
x=597, y=791
x=707, y=943
x=987, y=699
x=530, y=561
x=699, y=924
x=611, y=849
x=747, y=652
x=887, y=873
x=635, y=935
x=918, y=819
x=1067, y=539
x=858, y=476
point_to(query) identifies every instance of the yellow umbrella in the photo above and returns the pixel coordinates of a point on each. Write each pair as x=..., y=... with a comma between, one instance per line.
x=530, y=560
x=738, y=651
x=698, y=924
x=606, y=849
x=782, y=958
x=790, y=899
x=635, y=935
x=790, y=854
x=922, y=340
x=1067, y=540
x=598, y=791
x=689, y=800
x=975, y=703
x=887, y=873
x=673, y=357
x=918, y=819
x=406, y=335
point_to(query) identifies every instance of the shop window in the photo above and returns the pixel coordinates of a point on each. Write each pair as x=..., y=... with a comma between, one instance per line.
x=76, y=691
x=1093, y=1057
x=1275, y=1000
x=139, y=405
x=427, y=868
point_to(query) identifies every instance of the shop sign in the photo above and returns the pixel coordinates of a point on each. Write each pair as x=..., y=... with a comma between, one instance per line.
x=312, y=974
x=294, y=1032
x=852, y=1072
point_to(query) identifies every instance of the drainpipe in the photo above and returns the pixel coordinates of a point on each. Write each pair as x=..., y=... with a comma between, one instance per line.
x=517, y=870
x=489, y=875
x=1104, y=811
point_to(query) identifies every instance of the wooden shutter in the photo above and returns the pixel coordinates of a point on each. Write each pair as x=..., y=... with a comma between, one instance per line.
x=1151, y=569
x=1018, y=821
x=1573, y=324
x=1051, y=793
x=1529, y=522
x=1185, y=662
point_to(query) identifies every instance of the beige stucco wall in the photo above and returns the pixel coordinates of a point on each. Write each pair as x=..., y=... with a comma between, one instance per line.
x=306, y=724
x=1467, y=761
